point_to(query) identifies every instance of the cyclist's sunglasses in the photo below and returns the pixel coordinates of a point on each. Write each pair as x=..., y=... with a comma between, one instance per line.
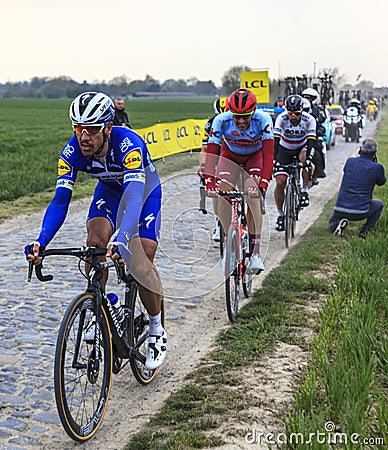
x=294, y=113
x=244, y=116
x=89, y=129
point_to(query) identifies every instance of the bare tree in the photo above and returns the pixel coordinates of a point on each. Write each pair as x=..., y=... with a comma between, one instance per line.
x=231, y=79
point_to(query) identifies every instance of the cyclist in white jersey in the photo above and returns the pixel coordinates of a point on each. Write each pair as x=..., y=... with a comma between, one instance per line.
x=295, y=134
x=242, y=137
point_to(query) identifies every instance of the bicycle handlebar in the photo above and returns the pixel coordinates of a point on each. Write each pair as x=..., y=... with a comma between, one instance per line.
x=79, y=252
x=234, y=193
x=241, y=194
x=297, y=165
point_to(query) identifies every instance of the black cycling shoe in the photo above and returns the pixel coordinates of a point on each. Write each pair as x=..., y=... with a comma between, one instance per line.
x=304, y=200
x=279, y=223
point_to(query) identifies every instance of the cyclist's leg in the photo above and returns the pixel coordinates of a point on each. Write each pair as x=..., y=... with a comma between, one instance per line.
x=227, y=175
x=305, y=179
x=143, y=248
x=100, y=224
x=253, y=166
x=284, y=157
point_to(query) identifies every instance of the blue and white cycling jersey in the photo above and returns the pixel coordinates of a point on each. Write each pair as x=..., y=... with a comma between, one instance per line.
x=127, y=178
x=127, y=160
x=294, y=137
x=241, y=142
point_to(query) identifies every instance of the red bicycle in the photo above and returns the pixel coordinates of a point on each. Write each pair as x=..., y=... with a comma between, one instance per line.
x=237, y=251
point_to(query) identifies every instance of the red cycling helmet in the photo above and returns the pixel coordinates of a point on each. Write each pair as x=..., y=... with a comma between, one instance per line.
x=242, y=101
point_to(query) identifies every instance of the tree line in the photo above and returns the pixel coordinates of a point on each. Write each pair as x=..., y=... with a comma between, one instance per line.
x=66, y=87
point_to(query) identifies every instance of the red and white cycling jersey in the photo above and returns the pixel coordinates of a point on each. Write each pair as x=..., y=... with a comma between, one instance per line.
x=292, y=136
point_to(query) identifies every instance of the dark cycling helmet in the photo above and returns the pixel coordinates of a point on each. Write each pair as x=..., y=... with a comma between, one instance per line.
x=91, y=108
x=312, y=95
x=221, y=105
x=294, y=103
x=242, y=101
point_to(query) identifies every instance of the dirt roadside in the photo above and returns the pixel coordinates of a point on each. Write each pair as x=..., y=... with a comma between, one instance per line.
x=192, y=331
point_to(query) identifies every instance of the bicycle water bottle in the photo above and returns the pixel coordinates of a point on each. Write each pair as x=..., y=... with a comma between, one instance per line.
x=118, y=309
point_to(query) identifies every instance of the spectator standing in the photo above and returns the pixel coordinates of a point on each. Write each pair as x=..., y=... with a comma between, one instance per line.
x=121, y=116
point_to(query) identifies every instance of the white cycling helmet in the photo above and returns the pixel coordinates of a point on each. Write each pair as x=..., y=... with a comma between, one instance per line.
x=355, y=100
x=312, y=95
x=91, y=108
x=306, y=105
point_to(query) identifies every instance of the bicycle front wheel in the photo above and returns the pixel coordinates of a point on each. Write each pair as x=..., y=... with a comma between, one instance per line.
x=138, y=336
x=247, y=277
x=83, y=368
x=232, y=275
x=288, y=214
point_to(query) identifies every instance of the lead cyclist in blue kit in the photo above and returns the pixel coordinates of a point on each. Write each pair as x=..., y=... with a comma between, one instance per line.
x=127, y=200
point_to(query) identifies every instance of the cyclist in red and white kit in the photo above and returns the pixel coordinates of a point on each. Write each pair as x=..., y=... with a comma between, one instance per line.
x=243, y=137
x=295, y=134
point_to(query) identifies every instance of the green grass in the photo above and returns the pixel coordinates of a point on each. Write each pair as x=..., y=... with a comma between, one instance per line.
x=33, y=133
x=346, y=379
x=346, y=382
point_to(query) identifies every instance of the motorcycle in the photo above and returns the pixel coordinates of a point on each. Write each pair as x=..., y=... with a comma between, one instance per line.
x=352, y=125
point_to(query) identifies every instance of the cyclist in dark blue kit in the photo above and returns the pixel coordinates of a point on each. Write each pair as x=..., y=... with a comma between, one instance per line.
x=127, y=201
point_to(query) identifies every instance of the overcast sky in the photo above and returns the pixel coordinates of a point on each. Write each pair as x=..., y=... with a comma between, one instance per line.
x=95, y=40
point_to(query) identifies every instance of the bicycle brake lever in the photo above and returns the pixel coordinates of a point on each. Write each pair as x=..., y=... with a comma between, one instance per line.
x=30, y=269
x=118, y=271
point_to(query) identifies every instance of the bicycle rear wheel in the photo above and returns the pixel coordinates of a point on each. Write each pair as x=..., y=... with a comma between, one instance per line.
x=232, y=276
x=138, y=336
x=82, y=372
x=288, y=214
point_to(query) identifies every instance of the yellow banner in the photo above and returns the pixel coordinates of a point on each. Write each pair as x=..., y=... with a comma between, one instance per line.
x=258, y=83
x=164, y=139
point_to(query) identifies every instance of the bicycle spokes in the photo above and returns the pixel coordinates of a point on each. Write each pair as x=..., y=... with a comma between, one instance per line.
x=82, y=372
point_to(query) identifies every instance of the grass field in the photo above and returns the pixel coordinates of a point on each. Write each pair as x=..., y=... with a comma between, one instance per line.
x=33, y=133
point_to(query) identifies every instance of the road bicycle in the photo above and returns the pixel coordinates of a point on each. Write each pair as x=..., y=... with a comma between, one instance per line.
x=290, y=86
x=292, y=201
x=327, y=90
x=84, y=361
x=302, y=83
x=236, y=249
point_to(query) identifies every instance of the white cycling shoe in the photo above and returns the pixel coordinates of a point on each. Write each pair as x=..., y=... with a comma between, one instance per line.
x=256, y=264
x=157, y=350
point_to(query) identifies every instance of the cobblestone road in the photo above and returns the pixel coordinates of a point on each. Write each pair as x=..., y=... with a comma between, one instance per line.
x=31, y=312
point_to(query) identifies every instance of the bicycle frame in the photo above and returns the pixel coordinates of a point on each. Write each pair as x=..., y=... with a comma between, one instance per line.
x=95, y=286
x=238, y=219
x=92, y=342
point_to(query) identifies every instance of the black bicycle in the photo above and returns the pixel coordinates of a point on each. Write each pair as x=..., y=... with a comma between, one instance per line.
x=291, y=207
x=327, y=90
x=85, y=360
